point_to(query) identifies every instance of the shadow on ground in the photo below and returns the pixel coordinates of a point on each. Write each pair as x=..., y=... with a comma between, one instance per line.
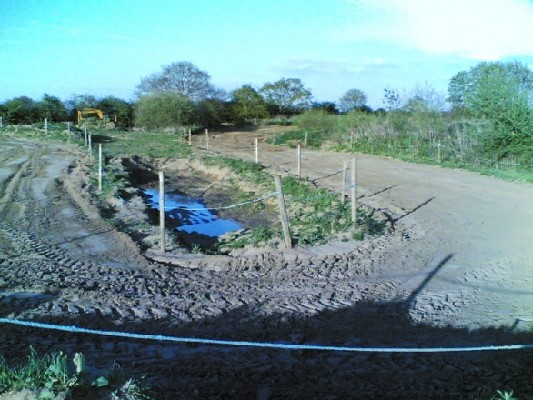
x=209, y=371
x=204, y=371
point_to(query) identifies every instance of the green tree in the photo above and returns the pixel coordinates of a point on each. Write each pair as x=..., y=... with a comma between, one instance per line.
x=247, y=104
x=113, y=106
x=182, y=78
x=287, y=96
x=327, y=106
x=211, y=112
x=52, y=107
x=22, y=110
x=163, y=110
x=501, y=93
x=353, y=99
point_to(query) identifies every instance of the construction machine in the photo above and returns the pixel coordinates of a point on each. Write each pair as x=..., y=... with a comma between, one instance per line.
x=87, y=112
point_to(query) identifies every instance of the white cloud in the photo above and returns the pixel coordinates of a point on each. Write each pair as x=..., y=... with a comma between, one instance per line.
x=475, y=29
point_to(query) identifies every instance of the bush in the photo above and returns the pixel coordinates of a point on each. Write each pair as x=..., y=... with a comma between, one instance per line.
x=317, y=121
x=163, y=110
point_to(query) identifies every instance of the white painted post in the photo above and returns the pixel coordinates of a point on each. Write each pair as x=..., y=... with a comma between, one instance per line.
x=206, y=140
x=190, y=137
x=100, y=167
x=162, y=210
x=68, y=128
x=299, y=156
x=283, y=212
x=46, y=125
x=1, y=122
x=343, y=188
x=85, y=131
x=90, y=146
x=256, y=151
x=354, y=192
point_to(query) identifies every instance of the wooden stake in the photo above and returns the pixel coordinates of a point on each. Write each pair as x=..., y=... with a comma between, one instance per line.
x=1, y=122
x=100, y=167
x=190, y=137
x=46, y=125
x=354, y=192
x=305, y=139
x=206, y=140
x=85, y=131
x=351, y=140
x=299, y=156
x=283, y=212
x=438, y=153
x=68, y=127
x=256, y=151
x=343, y=187
x=162, y=210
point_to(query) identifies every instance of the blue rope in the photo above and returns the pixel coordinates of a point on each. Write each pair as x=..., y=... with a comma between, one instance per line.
x=282, y=346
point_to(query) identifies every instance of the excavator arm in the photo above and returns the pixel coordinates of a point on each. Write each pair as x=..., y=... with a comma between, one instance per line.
x=88, y=112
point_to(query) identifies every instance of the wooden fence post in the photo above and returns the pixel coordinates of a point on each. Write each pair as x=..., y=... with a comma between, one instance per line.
x=100, y=166
x=162, y=210
x=85, y=132
x=190, y=137
x=299, y=155
x=1, y=122
x=354, y=192
x=283, y=212
x=68, y=128
x=351, y=140
x=438, y=152
x=305, y=139
x=206, y=140
x=343, y=187
x=46, y=125
x=256, y=151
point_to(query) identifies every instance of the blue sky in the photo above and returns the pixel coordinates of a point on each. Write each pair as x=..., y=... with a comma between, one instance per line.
x=65, y=47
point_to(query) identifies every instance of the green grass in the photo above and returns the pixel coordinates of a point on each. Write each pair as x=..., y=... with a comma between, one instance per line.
x=249, y=170
x=315, y=215
x=143, y=144
x=56, y=132
x=52, y=374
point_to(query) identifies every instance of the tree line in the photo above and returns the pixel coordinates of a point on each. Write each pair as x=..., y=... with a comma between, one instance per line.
x=498, y=94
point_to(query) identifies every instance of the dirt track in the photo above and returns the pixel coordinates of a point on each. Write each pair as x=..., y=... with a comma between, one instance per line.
x=457, y=270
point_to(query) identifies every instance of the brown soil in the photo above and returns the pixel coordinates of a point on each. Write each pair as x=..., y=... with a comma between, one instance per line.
x=456, y=270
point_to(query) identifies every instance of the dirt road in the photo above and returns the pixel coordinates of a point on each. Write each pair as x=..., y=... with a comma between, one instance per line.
x=480, y=225
x=455, y=271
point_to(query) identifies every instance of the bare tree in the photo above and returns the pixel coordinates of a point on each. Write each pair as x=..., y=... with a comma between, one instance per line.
x=425, y=97
x=183, y=78
x=353, y=99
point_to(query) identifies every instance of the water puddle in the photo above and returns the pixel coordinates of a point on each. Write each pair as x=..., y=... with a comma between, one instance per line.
x=190, y=215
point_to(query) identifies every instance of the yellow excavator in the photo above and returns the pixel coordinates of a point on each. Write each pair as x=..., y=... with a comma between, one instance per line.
x=87, y=112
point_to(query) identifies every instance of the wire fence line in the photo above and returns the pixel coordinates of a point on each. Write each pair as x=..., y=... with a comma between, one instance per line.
x=263, y=345
x=245, y=203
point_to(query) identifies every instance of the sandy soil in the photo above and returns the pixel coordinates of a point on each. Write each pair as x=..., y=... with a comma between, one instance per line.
x=456, y=270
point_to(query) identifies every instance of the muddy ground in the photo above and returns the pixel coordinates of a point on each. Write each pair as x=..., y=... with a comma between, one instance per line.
x=456, y=270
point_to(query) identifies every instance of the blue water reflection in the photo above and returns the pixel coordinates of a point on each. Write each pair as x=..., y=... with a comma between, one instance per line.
x=198, y=220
